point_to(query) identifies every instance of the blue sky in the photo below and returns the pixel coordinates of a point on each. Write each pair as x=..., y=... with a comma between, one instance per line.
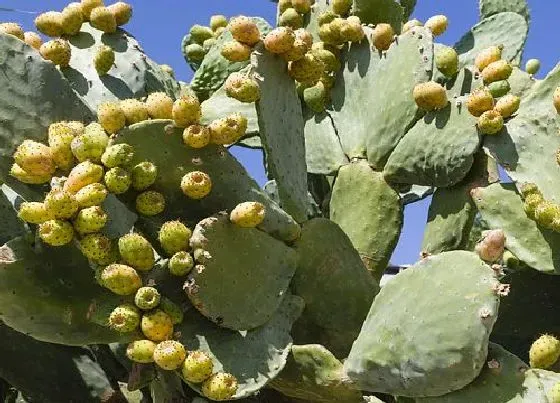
x=160, y=25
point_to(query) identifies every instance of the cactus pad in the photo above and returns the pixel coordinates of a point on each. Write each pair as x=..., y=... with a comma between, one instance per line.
x=374, y=12
x=323, y=151
x=491, y=7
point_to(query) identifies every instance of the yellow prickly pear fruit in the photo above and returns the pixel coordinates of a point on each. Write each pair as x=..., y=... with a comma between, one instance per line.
x=353, y=32
x=72, y=19
x=88, y=6
x=304, y=36
x=196, y=185
x=496, y=71
x=134, y=111
x=169, y=355
x=490, y=122
x=235, y=51
x=120, y=279
x=291, y=18
x=34, y=213
x=218, y=21
x=411, y=24
x=141, y=351
x=544, y=352
x=195, y=52
x=150, y=203
x=122, y=12
x=186, y=111
x=90, y=220
x=200, y=33
x=531, y=202
x=174, y=236
x=83, y=174
x=479, y=101
x=111, y=117
x=220, y=386
x=159, y=105
x=136, y=251
x=56, y=232
x=180, y=264
x=556, y=99
x=103, y=19
x=382, y=36
x=12, y=28
x=197, y=367
x=33, y=39
x=61, y=204
x=248, y=214
x=489, y=55
x=118, y=155
x=196, y=136
x=508, y=105
x=242, y=88
x=157, y=325
x=35, y=158
x=244, y=30
x=302, y=6
x=297, y=52
x=25, y=177
x=91, y=144
x=60, y=136
x=125, y=318
x=103, y=59
x=57, y=51
x=546, y=212
x=144, y=175
x=118, y=180
x=99, y=248
x=447, y=61
x=147, y=298
x=341, y=7
x=91, y=195
x=228, y=130
x=437, y=24
x=50, y=23
x=308, y=69
x=430, y=96
x=279, y=40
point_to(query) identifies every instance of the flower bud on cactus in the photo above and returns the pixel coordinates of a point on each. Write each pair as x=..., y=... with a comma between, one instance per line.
x=180, y=264
x=490, y=122
x=99, y=248
x=103, y=19
x=120, y=279
x=117, y=180
x=487, y=56
x=134, y=111
x=12, y=28
x=244, y=30
x=200, y=33
x=157, y=325
x=122, y=12
x=235, y=51
x=147, y=298
x=34, y=212
x=491, y=248
x=136, y=251
x=341, y=7
x=532, y=66
x=382, y=36
x=72, y=19
x=196, y=136
x=61, y=204
x=89, y=220
x=91, y=144
x=411, y=24
x=57, y=51
x=141, y=351
x=242, y=88
x=437, y=24
x=186, y=111
x=103, y=59
x=35, y=158
x=508, y=105
x=88, y=6
x=430, y=96
x=118, y=155
x=220, y=386
x=56, y=232
x=50, y=23
x=174, y=236
x=150, y=203
x=217, y=21
x=169, y=355
x=279, y=40
x=111, y=117
x=248, y=214
x=290, y=18
x=91, y=195
x=23, y=176
x=83, y=174
x=144, y=175
x=195, y=52
x=544, y=352
x=496, y=71
x=159, y=105
x=479, y=101
x=447, y=61
x=124, y=318
x=196, y=185
x=33, y=39
x=308, y=69
x=197, y=367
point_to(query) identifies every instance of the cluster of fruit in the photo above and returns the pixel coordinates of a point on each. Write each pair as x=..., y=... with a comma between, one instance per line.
x=201, y=38
x=546, y=213
x=292, y=12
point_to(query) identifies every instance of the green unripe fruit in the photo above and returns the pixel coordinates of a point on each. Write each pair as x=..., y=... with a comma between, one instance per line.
x=242, y=88
x=529, y=188
x=195, y=52
x=124, y=318
x=283, y=5
x=554, y=394
x=136, y=251
x=508, y=105
x=169, y=355
x=437, y=24
x=499, y=88
x=141, y=351
x=91, y=144
x=196, y=185
x=302, y=6
x=544, y=352
x=111, y=117
x=122, y=12
x=291, y=18
x=157, y=325
x=308, y=69
x=490, y=122
x=487, y=56
x=174, y=236
x=411, y=24
x=117, y=180
x=447, y=61
x=134, y=111
x=83, y=174
x=56, y=232
x=186, y=111
x=533, y=66
x=329, y=59
x=430, y=96
x=88, y=6
x=532, y=201
x=248, y=214
x=147, y=298
x=50, y=23
x=496, y=71
x=244, y=30
x=33, y=39
x=217, y=21
x=382, y=36
x=12, y=28
x=25, y=177
x=546, y=212
x=72, y=19
x=103, y=19
x=235, y=51
x=104, y=59
x=341, y=7
x=480, y=101
x=34, y=212
x=120, y=279
x=144, y=175
x=181, y=263
x=91, y=195
x=197, y=367
x=89, y=220
x=150, y=203
x=196, y=136
x=97, y=247
x=159, y=105
x=228, y=130
x=331, y=33
x=200, y=33
x=315, y=97
x=118, y=155
x=220, y=386
x=61, y=204
x=326, y=17
x=35, y=158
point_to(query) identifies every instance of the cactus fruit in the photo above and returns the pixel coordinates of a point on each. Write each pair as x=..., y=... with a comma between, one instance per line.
x=56, y=232
x=326, y=17
x=33, y=39
x=35, y=158
x=487, y=56
x=315, y=97
x=103, y=19
x=196, y=185
x=144, y=175
x=150, y=203
x=174, y=236
x=120, y=279
x=200, y=33
x=533, y=66
x=88, y=6
x=490, y=122
x=531, y=202
x=180, y=264
x=159, y=105
x=111, y=117
x=34, y=212
x=147, y=298
x=341, y=7
x=134, y=111
x=544, y=351
x=479, y=101
x=61, y=204
x=118, y=155
x=353, y=32
x=491, y=248
x=195, y=52
x=298, y=50
x=72, y=19
x=60, y=138
x=291, y=18
x=218, y=21
x=12, y=28
x=235, y=51
x=50, y=23
x=141, y=351
x=169, y=355
x=174, y=311
x=136, y=251
x=186, y=111
x=89, y=220
x=83, y=174
x=556, y=99
x=499, y=88
x=244, y=30
x=308, y=69
x=207, y=44
x=248, y=214
x=437, y=24
x=242, y=88
x=228, y=130
x=328, y=58
x=91, y=195
x=411, y=24
x=496, y=71
x=99, y=248
x=157, y=325
x=103, y=59
x=124, y=318
x=197, y=367
x=382, y=36
x=91, y=144
x=220, y=386
x=196, y=136
x=430, y=96
x=279, y=40
x=546, y=212
x=122, y=12
x=447, y=61
x=117, y=180
x=26, y=177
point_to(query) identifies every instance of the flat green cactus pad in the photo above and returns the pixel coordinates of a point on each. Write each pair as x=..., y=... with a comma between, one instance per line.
x=51, y=294
x=376, y=11
x=253, y=357
x=323, y=152
x=491, y=7
x=520, y=82
x=501, y=379
x=12, y=227
x=160, y=142
x=502, y=208
x=243, y=275
x=313, y=373
x=537, y=386
x=369, y=211
x=432, y=354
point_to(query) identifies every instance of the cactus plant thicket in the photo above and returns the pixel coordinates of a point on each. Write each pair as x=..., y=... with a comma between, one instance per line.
x=140, y=261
